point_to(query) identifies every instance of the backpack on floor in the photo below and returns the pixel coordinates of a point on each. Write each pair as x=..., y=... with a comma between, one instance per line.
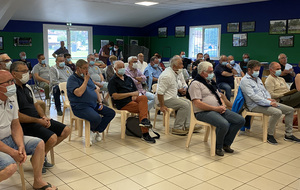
x=133, y=128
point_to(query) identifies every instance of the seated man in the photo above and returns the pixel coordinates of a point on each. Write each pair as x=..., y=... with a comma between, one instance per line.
x=224, y=76
x=59, y=73
x=95, y=73
x=207, y=58
x=186, y=61
x=167, y=96
x=161, y=64
x=258, y=99
x=139, y=79
x=41, y=74
x=14, y=147
x=23, y=58
x=152, y=72
x=182, y=86
x=110, y=71
x=277, y=87
x=243, y=64
x=126, y=97
x=237, y=71
x=32, y=117
x=5, y=61
x=117, y=52
x=210, y=108
x=83, y=97
x=68, y=62
x=141, y=63
x=287, y=69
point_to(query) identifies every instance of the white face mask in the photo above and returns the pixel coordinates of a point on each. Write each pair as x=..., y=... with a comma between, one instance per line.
x=10, y=90
x=179, y=71
x=25, y=78
x=8, y=64
x=134, y=65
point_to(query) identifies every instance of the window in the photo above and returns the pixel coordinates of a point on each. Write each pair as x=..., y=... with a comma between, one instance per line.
x=205, y=39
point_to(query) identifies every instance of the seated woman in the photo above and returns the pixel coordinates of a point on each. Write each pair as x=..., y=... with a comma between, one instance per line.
x=83, y=97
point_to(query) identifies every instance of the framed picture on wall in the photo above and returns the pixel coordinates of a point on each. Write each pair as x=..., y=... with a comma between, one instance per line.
x=180, y=31
x=248, y=26
x=277, y=27
x=286, y=41
x=1, y=43
x=22, y=41
x=233, y=27
x=162, y=32
x=240, y=40
x=134, y=42
x=294, y=26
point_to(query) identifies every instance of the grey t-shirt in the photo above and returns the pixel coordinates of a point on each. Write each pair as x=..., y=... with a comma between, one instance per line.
x=42, y=71
x=58, y=75
x=95, y=72
x=199, y=91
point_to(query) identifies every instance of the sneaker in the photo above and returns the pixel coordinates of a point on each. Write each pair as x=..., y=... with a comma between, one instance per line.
x=59, y=113
x=92, y=137
x=98, y=137
x=196, y=129
x=146, y=137
x=219, y=152
x=44, y=170
x=271, y=139
x=227, y=149
x=47, y=164
x=291, y=138
x=179, y=132
x=145, y=123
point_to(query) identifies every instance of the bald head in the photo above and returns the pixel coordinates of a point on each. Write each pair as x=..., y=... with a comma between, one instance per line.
x=5, y=76
x=282, y=58
x=119, y=64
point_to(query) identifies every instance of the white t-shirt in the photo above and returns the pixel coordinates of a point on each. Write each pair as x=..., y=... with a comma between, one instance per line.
x=8, y=112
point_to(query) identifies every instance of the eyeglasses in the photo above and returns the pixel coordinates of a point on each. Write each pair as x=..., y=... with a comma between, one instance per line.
x=10, y=82
x=25, y=71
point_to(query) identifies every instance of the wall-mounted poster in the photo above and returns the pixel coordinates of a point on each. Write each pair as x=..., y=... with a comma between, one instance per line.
x=134, y=42
x=162, y=32
x=22, y=41
x=233, y=27
x=277, y=27
x=239, y=40
x=248, y=26
x=179, y=31
x=294, y=26
x=120, y=42
x=1, y=43
x=286, y=41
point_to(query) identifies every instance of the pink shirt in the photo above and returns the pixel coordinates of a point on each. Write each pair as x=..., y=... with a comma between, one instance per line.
x=136, y=73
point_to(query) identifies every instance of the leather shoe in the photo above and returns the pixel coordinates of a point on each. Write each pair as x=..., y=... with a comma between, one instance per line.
x=228, y=149
x=219, y=152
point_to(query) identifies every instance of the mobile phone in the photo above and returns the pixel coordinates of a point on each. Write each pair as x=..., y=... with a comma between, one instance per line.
x=100, y=107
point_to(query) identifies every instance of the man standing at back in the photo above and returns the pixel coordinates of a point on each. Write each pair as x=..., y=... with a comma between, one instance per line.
x=104, y=52
x=62, y=50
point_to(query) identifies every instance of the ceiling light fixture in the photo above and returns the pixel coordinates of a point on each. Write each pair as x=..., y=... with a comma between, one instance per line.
x=146, y=3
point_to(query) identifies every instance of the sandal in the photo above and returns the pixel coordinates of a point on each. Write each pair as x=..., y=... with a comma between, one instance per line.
x=44, y=187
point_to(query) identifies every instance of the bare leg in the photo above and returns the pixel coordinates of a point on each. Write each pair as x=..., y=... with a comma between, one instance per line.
x=8, y=172
x=66, y=132
x=51, y=142
x=37, y=164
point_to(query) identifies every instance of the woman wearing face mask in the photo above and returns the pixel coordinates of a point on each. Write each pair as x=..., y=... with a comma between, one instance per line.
x=117, y=52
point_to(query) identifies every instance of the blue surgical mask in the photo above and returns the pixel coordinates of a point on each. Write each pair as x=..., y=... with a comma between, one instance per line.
x=23, y=57
x=155, y=65
x=210, y=76
x=62, y=64
x=246, y=60
x=10, y=90
x=224, y=63
x=43, y=62
x=255, y=74
x=278, y=72
x=159, y=60
x=92, y=62
x=82, y=75
x=69, y=59
x=113, y=62
x=232, y=62
x=121, y=71
x=183, y=56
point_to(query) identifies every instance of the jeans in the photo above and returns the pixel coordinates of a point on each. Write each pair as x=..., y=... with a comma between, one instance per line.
x=97, y=122
x=227, y=125
x=56, y=95
x=151, y=100
x=227, y=87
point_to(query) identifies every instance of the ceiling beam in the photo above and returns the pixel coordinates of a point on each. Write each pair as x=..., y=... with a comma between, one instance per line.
x=9, y=7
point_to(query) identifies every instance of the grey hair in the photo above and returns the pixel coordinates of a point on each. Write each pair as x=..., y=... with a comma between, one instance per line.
x=117, y=63
x=130, y=58
x=60, y=55
x=15, y=65
x=253, y=63
x=1, y=56
x=89, y=56
x=21, y=53
x=222, y=57
x=280, y=55
x=203, y=66
x=272, y=64
x=174, y=60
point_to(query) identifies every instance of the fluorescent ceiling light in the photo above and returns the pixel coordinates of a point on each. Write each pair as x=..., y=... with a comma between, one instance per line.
x=146, y=3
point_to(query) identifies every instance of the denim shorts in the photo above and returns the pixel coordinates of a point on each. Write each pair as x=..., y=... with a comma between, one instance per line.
x=30, y=144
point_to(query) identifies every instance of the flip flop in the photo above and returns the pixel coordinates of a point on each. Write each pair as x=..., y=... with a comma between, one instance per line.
x=44, y=187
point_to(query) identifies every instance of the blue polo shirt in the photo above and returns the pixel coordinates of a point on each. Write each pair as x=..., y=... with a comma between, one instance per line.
x=220, y=78
x=88, y=98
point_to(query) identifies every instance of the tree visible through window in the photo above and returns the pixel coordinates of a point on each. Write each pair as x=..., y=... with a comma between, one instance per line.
x=205, y=39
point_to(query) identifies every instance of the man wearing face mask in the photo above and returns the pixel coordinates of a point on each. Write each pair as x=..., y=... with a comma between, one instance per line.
x=23, y=58
x=185, y=60
x=41, y=74
x=141, y=63
x=224, y=76
x=117, y=52
x=258, y=99
x=207, y=58
x=138, y=79
x=59, y=73
x=277, y=87
x=5, y=61
x=68, y=62
x=95, y=73
x=152, y=72
x=237, y=71
x=161, y=64
x=110, y=71
x=166, y=96
x=14, y=146
x=32, y=117
x=83, y=97
x=243, y=64
x=210, y=108
x=126, y=97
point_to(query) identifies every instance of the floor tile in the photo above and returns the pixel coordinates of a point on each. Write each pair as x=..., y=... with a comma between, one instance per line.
x=205, y=185
x=166, y=172
x=124, y=184
x=130, y=170
x=185, y=181
x=203, y=173
x=72, y=175
x=86, y=184
x=224, y=182
x=266, y=184
x=109, y=177
x=280, y=177
x=164, y=185
x=146, y=179
x=255, y=169
x=241, y=175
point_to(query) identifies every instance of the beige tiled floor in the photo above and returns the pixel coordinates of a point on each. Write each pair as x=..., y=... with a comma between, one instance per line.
x=133, y=164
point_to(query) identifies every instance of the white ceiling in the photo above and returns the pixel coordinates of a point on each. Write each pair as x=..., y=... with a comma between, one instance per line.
x=101, y=12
